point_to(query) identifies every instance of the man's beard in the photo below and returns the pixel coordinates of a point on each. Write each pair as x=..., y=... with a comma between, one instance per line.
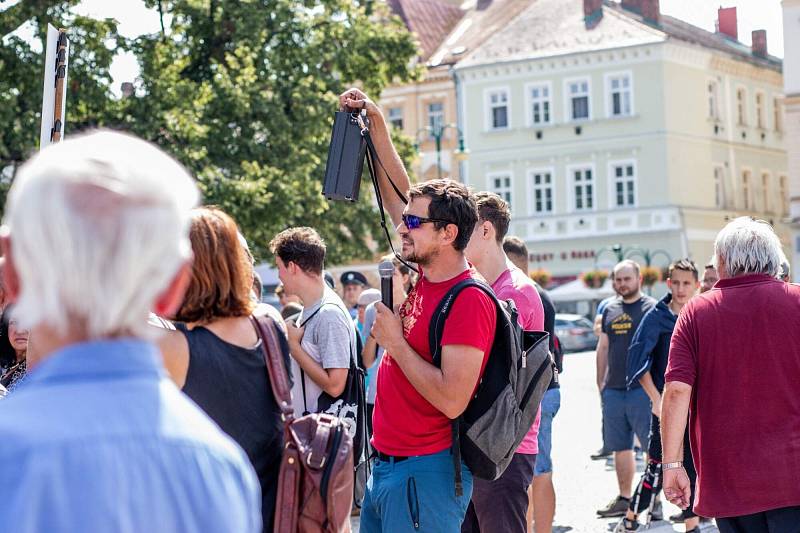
x=420, y=258
x=629, y=293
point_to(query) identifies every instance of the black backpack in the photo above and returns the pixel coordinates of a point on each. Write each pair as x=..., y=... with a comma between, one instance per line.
x=504, y=407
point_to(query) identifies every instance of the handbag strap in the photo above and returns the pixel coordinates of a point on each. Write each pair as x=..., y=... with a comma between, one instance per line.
x=278, y=378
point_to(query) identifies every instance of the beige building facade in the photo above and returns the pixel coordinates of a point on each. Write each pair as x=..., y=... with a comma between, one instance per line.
x=426, y=110
x=446, y=30
x=422, y=111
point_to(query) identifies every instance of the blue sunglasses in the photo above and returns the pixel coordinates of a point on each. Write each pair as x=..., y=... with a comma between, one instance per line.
x=413, y=221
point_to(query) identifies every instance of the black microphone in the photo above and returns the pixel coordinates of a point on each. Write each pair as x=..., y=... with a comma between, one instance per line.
x=386, y=271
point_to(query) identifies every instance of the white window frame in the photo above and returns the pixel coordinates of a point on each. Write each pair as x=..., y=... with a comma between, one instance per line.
x=766, y=192
x=783, y=191
x=741, y=115
x=761, y=116
x=491, y=176
x=532, y=188
x=571, y=187
x=428, y=115
x=568, y=98
x=610, y=95
x=720, y=195
x=489, y=108
x=390, y=119
x=612, y=183
x=529, y=101
x=714, y=114
x=777, y=115
x=747, y=192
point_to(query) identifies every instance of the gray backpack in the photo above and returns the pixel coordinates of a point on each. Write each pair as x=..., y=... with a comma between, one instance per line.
x=505, y=404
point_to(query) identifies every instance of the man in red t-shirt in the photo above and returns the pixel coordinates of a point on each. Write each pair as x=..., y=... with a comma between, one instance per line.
x=735, y=359
x=501, y=505
x=412, y=487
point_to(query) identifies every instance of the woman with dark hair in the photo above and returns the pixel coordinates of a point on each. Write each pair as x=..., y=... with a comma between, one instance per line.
x=215, y=353
x=13, y=348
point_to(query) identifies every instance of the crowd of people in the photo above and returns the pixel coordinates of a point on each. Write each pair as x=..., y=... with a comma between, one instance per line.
x=138, y=397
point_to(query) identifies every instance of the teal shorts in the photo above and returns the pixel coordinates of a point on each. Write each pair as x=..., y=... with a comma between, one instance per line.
x=417, y=494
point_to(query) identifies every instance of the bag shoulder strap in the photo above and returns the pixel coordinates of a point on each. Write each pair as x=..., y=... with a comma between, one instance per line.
x=317, y=310
x=353, y=360
x=436, y=328
x=278, y=376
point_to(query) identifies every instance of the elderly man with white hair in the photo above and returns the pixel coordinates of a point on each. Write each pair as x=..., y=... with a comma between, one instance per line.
x=735, y=358
x=98, y=438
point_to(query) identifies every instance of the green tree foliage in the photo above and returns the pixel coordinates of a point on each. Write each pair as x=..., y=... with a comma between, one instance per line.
x=243, y=93
x=240, y=91
x=21, y=72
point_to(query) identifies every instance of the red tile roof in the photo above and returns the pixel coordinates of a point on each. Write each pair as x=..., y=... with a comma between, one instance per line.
x=430, y=20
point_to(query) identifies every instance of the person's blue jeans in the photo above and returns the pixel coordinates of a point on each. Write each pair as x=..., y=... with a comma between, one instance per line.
x=551, y=403
x=417, y=494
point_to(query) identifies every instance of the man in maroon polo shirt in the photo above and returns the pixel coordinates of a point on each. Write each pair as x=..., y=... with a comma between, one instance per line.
x=735, y=358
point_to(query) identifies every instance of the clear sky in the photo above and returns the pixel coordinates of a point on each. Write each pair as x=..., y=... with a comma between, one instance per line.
x=135, y=20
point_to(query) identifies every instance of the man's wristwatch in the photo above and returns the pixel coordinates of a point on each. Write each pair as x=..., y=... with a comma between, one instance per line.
x=670, y=466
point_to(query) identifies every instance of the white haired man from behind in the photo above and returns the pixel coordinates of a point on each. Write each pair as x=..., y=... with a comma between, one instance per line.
x=734, y=359
x=98, y=438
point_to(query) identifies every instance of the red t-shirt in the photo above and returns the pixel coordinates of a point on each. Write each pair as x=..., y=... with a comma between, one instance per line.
x=738, y=346
x=404, y=422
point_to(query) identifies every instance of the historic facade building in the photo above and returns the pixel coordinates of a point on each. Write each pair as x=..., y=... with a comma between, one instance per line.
x=604, y=124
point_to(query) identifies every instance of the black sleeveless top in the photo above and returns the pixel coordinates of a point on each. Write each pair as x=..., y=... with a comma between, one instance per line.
x=232, y=386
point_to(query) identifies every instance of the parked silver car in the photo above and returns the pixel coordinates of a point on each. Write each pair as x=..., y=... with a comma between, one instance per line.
x=575, y=333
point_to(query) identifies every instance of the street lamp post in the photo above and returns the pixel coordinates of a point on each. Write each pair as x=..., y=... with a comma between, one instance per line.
x=616, y=249
x=627, y=253
x=438, y=133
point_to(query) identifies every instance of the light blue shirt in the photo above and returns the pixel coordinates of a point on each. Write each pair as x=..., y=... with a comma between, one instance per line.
x=97, y=439
x=370, y=314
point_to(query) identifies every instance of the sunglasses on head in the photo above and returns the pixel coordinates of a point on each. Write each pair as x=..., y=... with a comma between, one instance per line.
x=413, y=221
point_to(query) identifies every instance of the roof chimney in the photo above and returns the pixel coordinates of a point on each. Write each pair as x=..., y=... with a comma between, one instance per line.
x=631, y=5
x=592, y=13
x=760, y=43
x=726, y=23
x=650, y=11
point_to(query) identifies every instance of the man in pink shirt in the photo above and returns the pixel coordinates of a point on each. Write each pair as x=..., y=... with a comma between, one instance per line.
x=735, y=359
x=501, y=505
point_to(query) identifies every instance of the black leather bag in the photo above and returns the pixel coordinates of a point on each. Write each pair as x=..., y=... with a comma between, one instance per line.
x=345, y=157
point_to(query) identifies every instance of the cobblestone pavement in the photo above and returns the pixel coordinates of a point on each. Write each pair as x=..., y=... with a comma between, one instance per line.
x=582, y=485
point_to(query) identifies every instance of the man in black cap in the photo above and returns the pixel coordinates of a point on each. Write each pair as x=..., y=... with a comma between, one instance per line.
x=353, y=284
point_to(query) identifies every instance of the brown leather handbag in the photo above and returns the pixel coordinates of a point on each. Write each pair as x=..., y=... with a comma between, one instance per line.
x=315, y=484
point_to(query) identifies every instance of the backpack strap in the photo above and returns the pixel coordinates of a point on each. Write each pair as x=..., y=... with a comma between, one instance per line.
x=435, y=332
x=278, y=378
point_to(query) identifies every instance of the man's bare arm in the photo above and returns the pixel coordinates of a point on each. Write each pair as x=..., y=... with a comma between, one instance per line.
x=370, y=352
x=448, y=388
x=597, y=327
x=602, y=361
x=674, y=412
x=392, y=164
